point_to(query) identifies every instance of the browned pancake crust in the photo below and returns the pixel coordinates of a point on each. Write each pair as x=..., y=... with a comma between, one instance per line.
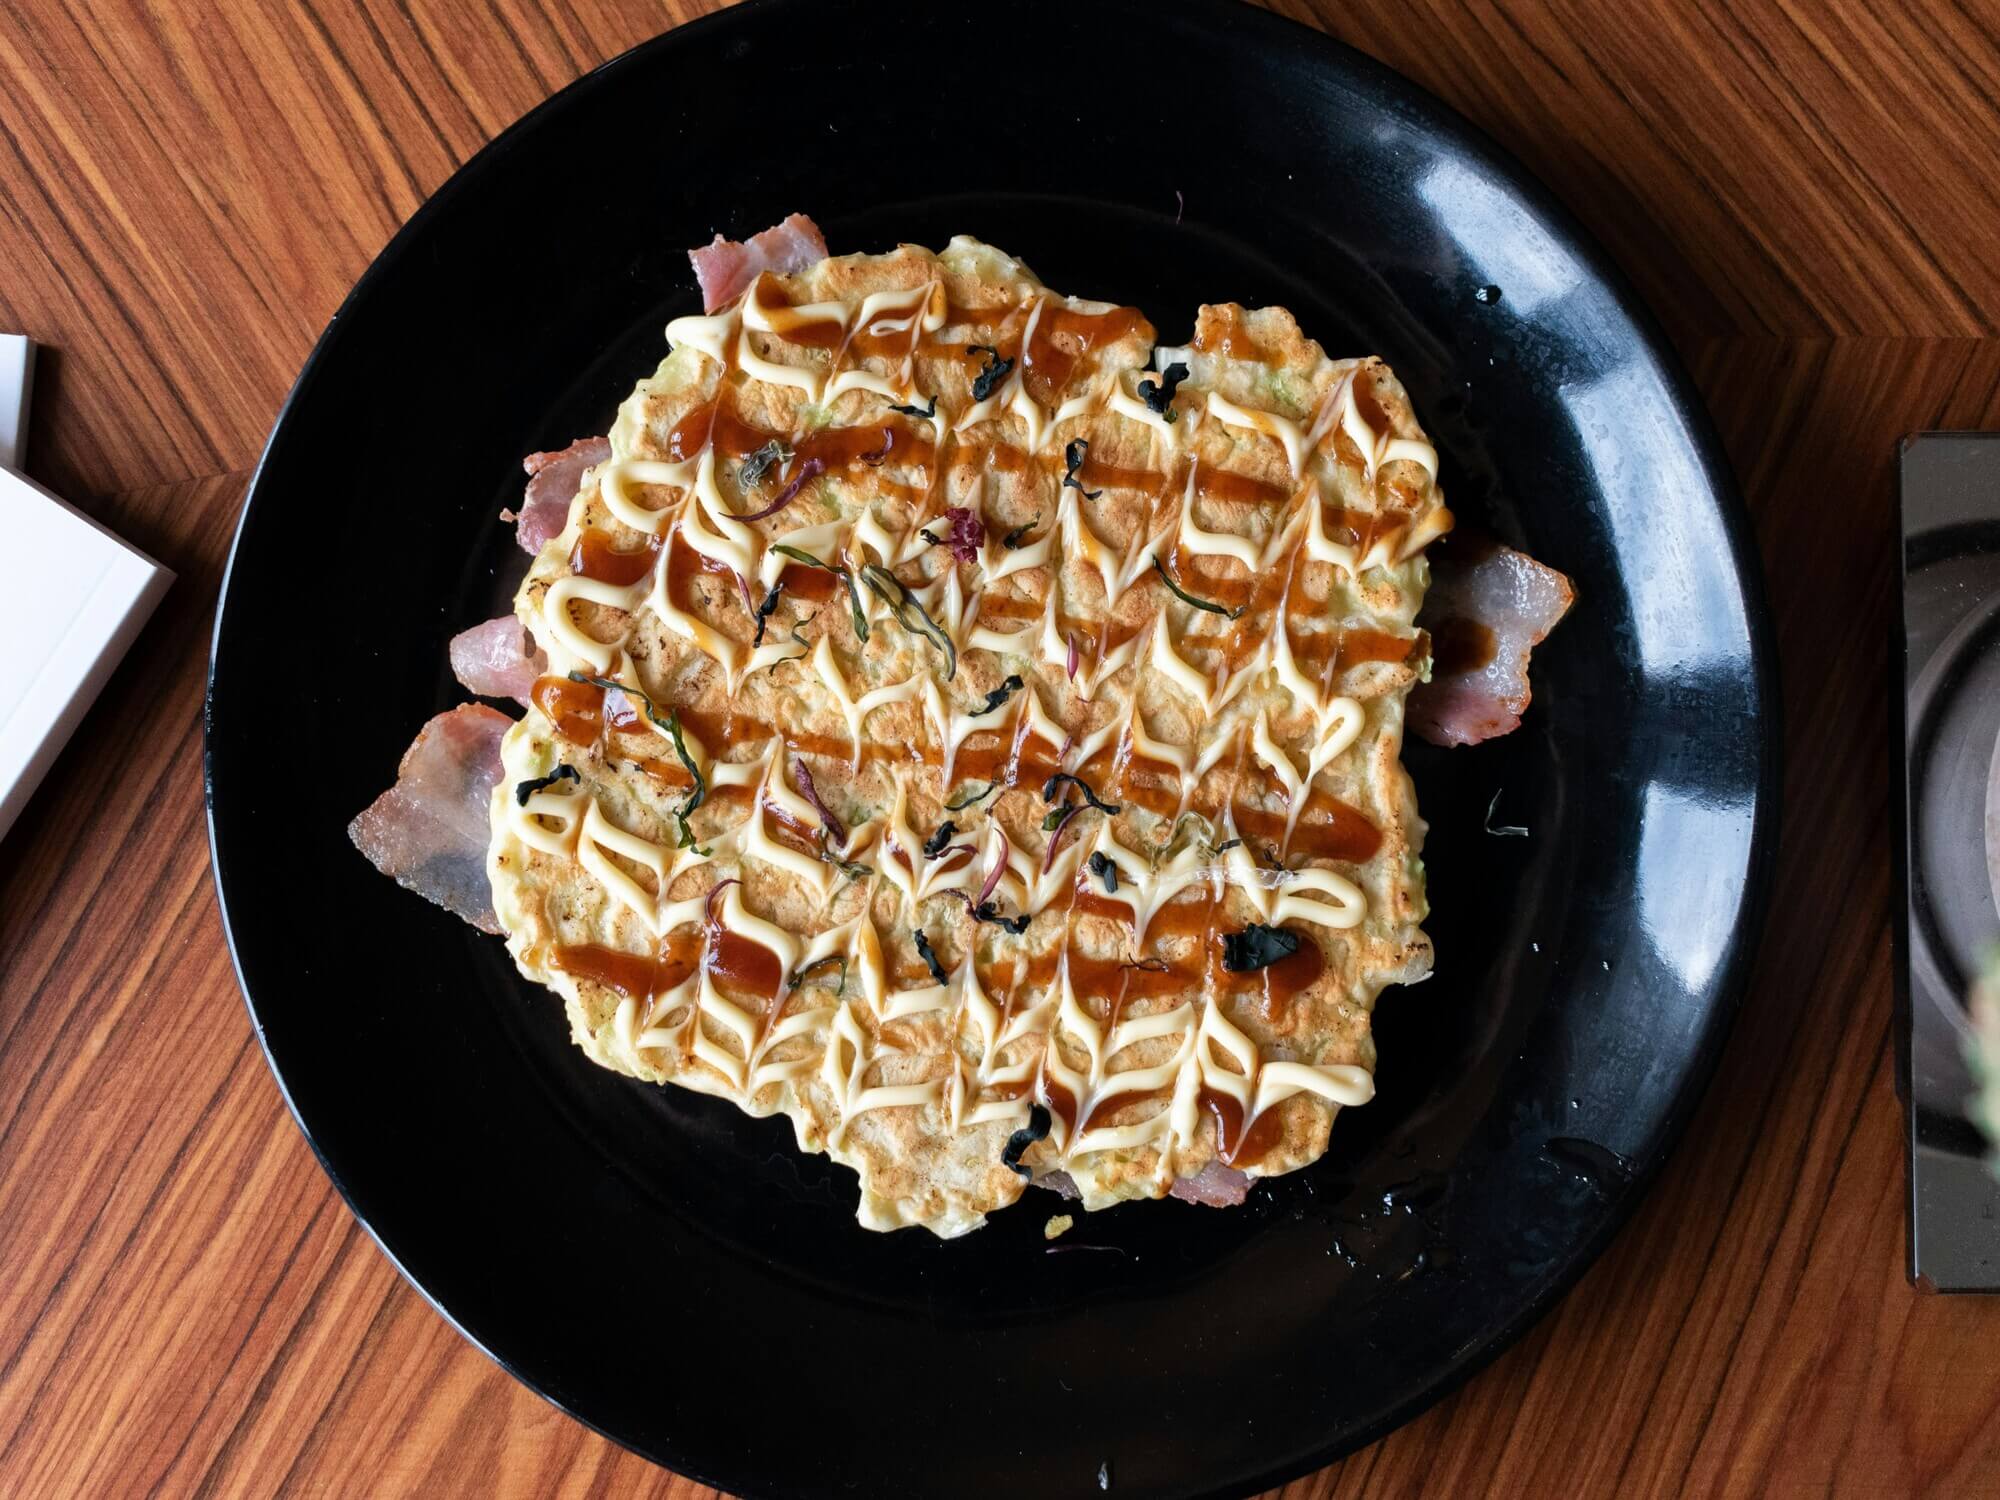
x=1292, y=492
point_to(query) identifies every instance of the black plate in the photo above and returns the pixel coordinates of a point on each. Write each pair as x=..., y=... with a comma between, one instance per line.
x=675, y=1274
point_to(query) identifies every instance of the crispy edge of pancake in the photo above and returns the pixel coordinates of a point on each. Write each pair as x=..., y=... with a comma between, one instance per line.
x=1306, y=1120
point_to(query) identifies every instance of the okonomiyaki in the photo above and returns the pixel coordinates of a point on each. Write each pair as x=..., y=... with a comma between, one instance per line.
x=972, y=730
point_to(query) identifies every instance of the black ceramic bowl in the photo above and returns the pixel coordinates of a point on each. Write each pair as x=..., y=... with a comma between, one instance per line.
x=675, y=1274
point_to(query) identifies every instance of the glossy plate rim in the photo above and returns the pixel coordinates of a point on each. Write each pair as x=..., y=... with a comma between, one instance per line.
x=1385, y=87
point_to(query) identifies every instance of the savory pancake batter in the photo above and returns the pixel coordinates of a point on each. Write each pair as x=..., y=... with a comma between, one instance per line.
x=973, y=732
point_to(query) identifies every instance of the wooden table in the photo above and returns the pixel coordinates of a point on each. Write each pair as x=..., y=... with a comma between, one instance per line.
x=1804, y=191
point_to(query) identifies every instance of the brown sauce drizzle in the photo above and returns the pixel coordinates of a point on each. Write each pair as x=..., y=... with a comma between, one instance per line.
x=576, y=709
x=1240, y=489
x=957, y=857
x=1125, y=1107
x=1152, y=784
x=786, y=321
x=625, y=715
x=1113, y=633
x=1246, y=635
x=1190, y=914
x=594, y=556
x=1222, y=332
x=1403, y=495
x=1291, y=975
x=1357, y=646
x=1092, y=902
x=1222, y=580
x=639, y=976
x=1095, y=978
x=716, y=730
x=1117, y=983
x=1232, y=1142
x=1063, y=339
x=1034, y=762
x=1090, y=330
x=1329, y=829
x=690, y=434
x=1158, y=792
x=1041, y=969
x=994, y=604
x=1257, y=1141
x=674, y=773
x=963, y=315
x=1350, y=528
x=685, y=566
x=812, y=585
x=1003, y=458
x=1260, y=825
x=866, y=345
x=1283, y=981
x=715, y=423
x=797, y=828
x=1207, y=796
x=1102, y=767
x=628, y=718
x=1341, y=449
x=841, y=447
x=983, y=757
x=738, y=963
x=1062, y=1104
x=1363, y=531
x=1341, y=649
x=1369, y=408
x=1093, y=475
x=819, y=333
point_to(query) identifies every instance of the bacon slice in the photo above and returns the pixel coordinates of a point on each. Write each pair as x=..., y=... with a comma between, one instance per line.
x=1486, y=610
x=1060, y=1183
x=496, y=660
x=553, y=480
x=429, y=831
x=725, y=268
x=1216, y=1185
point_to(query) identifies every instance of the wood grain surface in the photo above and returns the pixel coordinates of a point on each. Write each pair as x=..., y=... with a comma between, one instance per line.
x=1803, y=189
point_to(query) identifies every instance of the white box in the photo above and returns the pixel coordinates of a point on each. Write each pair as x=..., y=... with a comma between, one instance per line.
x=17, y=380
x=68, y=610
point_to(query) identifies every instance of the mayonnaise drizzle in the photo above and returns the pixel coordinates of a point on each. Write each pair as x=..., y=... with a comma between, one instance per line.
x=1213, y=543
x=1269, y=423
x=844, y=1069
x=916, y=875
x=562, y=624
x=1000, y=1047
x=855, y=710
x=980, y=1023
x=612, y=482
